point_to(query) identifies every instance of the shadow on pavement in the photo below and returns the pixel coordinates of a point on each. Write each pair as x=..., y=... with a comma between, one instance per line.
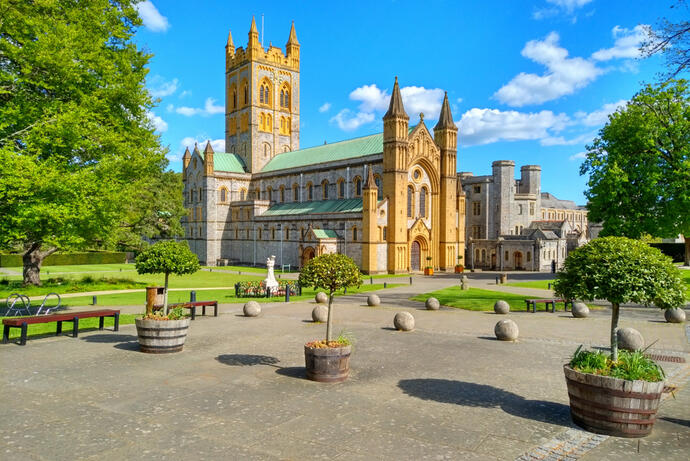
x=293, y=372
x=485, y=396
x=109, y=338
x=243, y=360
x=682, y=422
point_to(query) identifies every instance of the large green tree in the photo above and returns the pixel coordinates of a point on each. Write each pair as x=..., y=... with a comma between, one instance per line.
x=77, y=148
x=639, y=166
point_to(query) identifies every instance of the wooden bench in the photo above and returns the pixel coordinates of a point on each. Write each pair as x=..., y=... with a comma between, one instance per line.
x=546, y=302
x=193, y=305
x=24, y=322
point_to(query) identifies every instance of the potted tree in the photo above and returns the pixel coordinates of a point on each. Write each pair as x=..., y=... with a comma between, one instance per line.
x=617, y=394
x=459, y=268
x=429, y=269
x=164, y=331
x=329, y=360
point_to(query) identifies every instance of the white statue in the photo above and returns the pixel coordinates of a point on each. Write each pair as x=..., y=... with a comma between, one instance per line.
x=270, y=280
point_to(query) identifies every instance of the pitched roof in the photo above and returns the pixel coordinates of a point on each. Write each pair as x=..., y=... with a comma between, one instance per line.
x=351, y=205
x=226, y=162
x=324, y=233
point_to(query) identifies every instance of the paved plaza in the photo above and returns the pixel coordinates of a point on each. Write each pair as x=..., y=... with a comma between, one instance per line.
x=447, y=390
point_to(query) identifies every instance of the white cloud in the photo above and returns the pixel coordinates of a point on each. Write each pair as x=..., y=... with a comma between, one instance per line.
x=627, y=44
x=325, y=107
x=459, y=100
x=564, y=75
x=579, y=156
x=484, y=126
x=371, y=98
x=210, y=108
x=218, y=145
x=160, y=87
x=185, y=93
x=349, y=121
x=151, y=18
x=569, y=5
x=561, y=141
x=601, y=116
x=159, y=124
x=418, y=99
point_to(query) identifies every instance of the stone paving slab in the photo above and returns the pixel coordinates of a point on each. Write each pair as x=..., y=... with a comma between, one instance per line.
x=447, y=390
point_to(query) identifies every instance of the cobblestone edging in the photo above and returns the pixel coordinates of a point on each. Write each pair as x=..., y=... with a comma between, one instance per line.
x=573, y=443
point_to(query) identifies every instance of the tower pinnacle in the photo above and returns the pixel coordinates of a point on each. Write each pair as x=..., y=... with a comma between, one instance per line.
x=445, y=120
x=293, y=35
x=396, y=108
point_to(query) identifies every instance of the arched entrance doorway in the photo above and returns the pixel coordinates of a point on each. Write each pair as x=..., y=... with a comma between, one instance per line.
x=493, y=261
x=307, y=255
x=415, y=255
x=518, y=259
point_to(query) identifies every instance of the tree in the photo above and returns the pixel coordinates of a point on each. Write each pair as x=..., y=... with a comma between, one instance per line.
x=330, y=272
x=639, y=166
x=673, y=41
x=76, y=143
x=620, y=270
x=167, y=257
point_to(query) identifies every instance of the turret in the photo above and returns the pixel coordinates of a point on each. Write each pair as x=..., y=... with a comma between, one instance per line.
x=446, y=137
x=395, y=121
x=229, y=47
x=292, y=46
x=186, y=158
x=253, y=37
x=369, y=225
x=208, y=159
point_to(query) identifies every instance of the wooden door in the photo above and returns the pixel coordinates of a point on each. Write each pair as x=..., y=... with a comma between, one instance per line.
x=414, y=256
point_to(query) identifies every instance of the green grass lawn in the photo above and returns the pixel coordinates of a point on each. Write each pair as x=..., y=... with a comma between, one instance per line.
x=541, y=284
x=475, y=299
x=84, y=324
x=50, y=270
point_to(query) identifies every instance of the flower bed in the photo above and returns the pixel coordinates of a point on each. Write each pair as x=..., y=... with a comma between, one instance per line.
x=258, y=289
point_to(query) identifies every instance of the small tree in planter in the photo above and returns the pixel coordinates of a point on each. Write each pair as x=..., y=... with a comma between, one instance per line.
x=429, y=269
x=166, y=331
x=619, y=270
x=459, y=268
x=328, y=360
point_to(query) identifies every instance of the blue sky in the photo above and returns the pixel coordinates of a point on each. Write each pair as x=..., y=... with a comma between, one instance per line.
x=529, y=81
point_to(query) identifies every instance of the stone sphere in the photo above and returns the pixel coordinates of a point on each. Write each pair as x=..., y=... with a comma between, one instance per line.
x=630, y=339
x=321, y=297
x=506, y=330
x=675, y=315
x=320, y=313
x=432, y=304
x=501, y=307
x=252, y=309
x=403, y=321
x=580, y=310
x=373, y=300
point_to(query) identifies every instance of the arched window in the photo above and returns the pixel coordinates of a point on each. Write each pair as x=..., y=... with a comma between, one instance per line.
x=310, y=191
x=379, y=185
x=223, y=194
x=243, y=194
x=191, y=195
x=261, y=94
x=483, y=255
x=410, y=201
x=295, y=193
x=265, y=93
x=258, y=234
x=267, y=150
x=285, y=97
x=258, y=193
x=422, y=202
x=269, y=122
x=324, y=189
x=287, y=234
x=245, y=90
x=273, y=233
x=282, y=194
x=358, y=186
x=354, y=234
x=476, y=255
x=341, y=188
x=269, y=193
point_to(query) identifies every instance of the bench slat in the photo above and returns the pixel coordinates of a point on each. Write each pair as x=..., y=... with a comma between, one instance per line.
x=58, y=317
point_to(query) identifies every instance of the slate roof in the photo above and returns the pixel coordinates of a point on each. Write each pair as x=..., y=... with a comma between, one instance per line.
x=227, y=162
x=324, y=233
x=352, y=205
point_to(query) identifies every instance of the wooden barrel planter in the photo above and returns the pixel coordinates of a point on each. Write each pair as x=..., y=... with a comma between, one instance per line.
x=612, y=406
x=328, y=364
x=161, y=336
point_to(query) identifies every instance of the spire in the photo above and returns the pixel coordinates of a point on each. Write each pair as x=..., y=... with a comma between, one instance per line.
x=253, y=35
x=293, y=36
x=370, y=183
x=208, y=149
x=445, y=120
x=186, y=153
x=196, y=148
x=230, y=44
x=396, y=109
x=253, y=29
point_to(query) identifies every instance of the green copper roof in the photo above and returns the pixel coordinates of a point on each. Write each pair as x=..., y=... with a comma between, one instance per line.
x=324, y=233
x=350, y=148
x=227, y=162
x=352, y=205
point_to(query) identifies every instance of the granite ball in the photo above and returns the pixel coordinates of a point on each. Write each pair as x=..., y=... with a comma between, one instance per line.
x=432, y=304
x=373, y=300
x=675, y=315
x=630, y=339
x=403, y=321
x=580, y=310
x=252, y=309
x=320, y=313
x=321, y=297
x=506, y=330
x=501, y=307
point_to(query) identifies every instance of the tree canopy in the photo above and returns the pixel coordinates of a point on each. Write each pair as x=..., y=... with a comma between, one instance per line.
x=620, y=270
x=77, y=148
x=639, y=166
x=672, y=39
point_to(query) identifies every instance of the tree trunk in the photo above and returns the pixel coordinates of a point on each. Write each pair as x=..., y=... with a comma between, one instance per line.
x=687, y=249
x=329, y=323
x=32, y=260
x=165, y=295
x=615, y=308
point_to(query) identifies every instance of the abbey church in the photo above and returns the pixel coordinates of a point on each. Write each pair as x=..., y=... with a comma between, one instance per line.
x=392, y=201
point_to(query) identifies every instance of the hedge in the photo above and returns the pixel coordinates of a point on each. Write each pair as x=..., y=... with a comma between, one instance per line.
x=68, y=259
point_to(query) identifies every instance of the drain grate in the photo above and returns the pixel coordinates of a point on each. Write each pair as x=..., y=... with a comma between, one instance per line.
x=666, y=358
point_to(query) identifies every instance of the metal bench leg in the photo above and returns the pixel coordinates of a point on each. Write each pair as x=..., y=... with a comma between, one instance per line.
x=534, y=308
x=58, y=330
x=5, y=334
x=22, y=338
x=203, y=311
x=193, y=312
x=117, y=321
x=215, y=310
x=75, y=327
x=101, y=321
